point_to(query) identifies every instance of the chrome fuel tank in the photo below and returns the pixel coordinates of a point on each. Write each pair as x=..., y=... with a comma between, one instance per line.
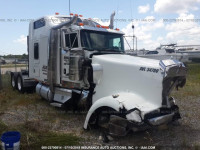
x=44, y=91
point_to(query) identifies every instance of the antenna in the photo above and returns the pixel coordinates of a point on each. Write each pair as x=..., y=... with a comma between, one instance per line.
x=133, y=35
x=69, y=8
x=132, y=23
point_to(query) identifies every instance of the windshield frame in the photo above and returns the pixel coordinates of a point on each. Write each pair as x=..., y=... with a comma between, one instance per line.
x=122, y=50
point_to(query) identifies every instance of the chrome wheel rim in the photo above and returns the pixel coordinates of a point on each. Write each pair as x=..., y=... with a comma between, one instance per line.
x=19, y=84
x=13, y=81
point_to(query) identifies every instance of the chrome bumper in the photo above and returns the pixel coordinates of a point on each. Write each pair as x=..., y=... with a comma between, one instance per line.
x=119, y=126
x=161, y=120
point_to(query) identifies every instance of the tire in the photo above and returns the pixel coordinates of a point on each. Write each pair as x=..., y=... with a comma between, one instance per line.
x=103, y=123
x=103, y=119
x=20, y=86
x=13, y=82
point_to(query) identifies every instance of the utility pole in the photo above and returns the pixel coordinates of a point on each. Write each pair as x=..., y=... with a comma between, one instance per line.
x=136, y=43
x=69, y=7
x=15, y=64
x=133, y=35
x=0, y=77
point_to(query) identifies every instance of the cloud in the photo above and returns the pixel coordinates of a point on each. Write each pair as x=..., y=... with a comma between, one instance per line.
x=22, y=40
x=175, y=6
x=160, y=39
x=144, y=32
x=104, y=22
x=143, y=9
x=184, y=32
x=120, y=11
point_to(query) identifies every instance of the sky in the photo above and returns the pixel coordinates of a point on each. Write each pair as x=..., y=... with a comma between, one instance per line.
x=156, y=21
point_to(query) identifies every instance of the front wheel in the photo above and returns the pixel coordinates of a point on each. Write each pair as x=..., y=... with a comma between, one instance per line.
x=20, y=84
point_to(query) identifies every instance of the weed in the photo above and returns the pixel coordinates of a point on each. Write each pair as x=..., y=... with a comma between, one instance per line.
x=3, y=127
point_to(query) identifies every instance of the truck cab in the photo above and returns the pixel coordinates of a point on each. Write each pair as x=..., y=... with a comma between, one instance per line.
x=78, y=64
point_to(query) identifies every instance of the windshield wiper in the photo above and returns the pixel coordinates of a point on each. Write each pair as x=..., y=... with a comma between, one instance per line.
x=86, y=48
x=111, y=50
x=102, y=50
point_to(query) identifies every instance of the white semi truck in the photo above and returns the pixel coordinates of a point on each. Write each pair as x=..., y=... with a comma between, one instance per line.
x=76, y=63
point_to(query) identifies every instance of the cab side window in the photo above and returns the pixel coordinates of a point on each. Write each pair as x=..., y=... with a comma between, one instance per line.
x=71, y=40
x=39, y=23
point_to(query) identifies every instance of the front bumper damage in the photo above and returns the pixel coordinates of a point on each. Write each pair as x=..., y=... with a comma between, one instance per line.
x=120, y=126
x=136, y=119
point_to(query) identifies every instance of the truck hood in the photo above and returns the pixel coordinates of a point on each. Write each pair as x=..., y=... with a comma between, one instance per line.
x=114, y=74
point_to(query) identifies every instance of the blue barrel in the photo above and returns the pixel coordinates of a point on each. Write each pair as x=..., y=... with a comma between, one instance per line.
x=11, y=140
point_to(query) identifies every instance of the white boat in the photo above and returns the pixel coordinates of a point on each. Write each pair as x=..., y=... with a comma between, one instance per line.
x=172, y=51
x=192, y=52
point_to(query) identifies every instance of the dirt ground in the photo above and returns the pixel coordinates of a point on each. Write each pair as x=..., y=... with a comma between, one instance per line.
x=182, y=134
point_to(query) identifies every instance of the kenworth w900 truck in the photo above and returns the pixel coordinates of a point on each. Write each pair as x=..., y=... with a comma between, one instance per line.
x=76, y=63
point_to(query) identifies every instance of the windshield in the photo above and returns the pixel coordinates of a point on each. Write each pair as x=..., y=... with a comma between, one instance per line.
x=102, y=41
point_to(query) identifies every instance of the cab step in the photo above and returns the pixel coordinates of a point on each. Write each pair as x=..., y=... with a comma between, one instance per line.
x=56, y=104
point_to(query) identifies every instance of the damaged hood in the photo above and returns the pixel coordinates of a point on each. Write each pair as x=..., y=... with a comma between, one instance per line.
x=126, y=102
x=144, y=78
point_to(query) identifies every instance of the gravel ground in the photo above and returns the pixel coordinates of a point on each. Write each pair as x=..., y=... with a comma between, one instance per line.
x=183, y=133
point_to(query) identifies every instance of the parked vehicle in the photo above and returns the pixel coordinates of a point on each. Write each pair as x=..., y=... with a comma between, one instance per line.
x=76, y=63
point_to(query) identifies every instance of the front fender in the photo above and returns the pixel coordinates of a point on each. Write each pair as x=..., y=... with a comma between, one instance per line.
x=129, y=101
x=108, y=101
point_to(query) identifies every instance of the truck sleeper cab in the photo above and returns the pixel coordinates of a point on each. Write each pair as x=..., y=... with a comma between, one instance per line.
x=79, y=64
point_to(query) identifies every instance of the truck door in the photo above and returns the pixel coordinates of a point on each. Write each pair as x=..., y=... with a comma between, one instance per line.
x=69, y=41
x=40, y=48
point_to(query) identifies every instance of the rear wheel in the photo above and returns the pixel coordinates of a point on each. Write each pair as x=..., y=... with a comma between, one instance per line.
x=13, y=81
x=20, y=84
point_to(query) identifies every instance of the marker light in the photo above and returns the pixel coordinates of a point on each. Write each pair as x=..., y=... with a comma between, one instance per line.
x=71, y=14
x=98, y=26
x=117, y=29
x=76, y=15
x=105, y=27
x=80, y=15
x=56, y=13
x=81, y=24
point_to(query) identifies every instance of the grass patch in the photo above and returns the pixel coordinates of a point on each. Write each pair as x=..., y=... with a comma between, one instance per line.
x=31, y=140
x=35, y=133
x=59, y=139
x=192, y=87
x=34, y=140
x=3, y=126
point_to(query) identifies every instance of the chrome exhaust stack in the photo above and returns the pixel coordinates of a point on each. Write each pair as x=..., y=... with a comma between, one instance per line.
x=111, y=26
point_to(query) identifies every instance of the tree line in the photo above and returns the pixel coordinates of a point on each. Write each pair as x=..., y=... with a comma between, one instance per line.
x=23, y=56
